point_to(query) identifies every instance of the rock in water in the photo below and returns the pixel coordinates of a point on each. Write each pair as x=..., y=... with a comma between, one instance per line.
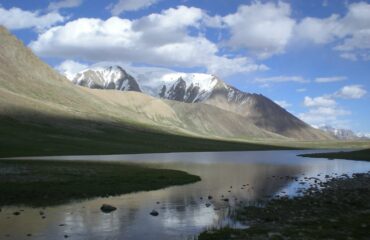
x=154, y=213
x=106, y=208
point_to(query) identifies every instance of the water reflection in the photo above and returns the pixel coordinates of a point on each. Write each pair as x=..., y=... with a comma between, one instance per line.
x=183, y=210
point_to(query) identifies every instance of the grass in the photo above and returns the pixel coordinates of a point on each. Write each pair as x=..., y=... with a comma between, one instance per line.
x=80, y=137
x=45, y=183
x=341, y=210
x=363, y=155
x=46, y=135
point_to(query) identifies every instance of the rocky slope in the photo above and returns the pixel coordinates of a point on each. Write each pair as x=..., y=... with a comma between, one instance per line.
x=263, y=112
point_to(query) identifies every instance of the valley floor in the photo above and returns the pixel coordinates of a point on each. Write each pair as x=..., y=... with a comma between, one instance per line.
x=341, y=210
x=47, y=136
x=45, y=183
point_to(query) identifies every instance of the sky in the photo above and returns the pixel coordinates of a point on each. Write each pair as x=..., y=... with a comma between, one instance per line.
x=311, y=57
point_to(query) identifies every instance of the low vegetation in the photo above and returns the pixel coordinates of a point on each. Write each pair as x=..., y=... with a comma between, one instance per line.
x=45, y=136
x=363, y=155
x=45, y=183
x=48, y=136
x=341, y=210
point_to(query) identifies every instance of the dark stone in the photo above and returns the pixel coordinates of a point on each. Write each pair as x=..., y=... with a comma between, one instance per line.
x=106, y=208
x=154, y=213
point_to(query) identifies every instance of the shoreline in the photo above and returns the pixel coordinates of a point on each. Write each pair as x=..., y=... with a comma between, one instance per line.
x=336, y=209
x=360, y=155
x=47, y=183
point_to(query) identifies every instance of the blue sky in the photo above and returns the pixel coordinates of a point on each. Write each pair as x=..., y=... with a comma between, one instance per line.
x=312, y=57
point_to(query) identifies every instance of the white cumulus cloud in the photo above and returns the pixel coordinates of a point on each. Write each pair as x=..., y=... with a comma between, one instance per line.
x=16, y=18
x=69, y=68
x=351, y=92
x=157, y=39
x=351, y=31
x=263, y=29
x=324, y=110
x=324, y=116
x=319, y=30
x=322, y=101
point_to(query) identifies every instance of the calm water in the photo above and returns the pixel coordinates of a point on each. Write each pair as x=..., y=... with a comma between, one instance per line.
x=182, y=212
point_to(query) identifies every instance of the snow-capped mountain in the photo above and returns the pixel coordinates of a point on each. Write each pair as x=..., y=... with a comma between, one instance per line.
x=199, y=87
x=340, y=133
x=112, y=77
x=364, y=135
x=185, y=87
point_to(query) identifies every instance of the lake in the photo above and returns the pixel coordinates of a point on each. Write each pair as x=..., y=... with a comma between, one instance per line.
x=184, y=211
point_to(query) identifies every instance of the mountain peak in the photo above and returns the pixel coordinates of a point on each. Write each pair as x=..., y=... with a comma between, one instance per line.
x=109, y=77
x=185, y=87
x=341, y=133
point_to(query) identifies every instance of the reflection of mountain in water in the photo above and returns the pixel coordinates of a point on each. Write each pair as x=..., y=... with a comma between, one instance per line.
x=181, y=211
x=217, y=180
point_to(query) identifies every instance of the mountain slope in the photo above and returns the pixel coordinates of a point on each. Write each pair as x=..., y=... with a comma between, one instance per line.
x=196, y=119
x=201, y=118
x=264, y=113
x=41, y=112
x=257, y=109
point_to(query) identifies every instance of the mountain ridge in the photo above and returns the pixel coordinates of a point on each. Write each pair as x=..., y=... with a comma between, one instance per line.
x=342, y=133
x=209, y=89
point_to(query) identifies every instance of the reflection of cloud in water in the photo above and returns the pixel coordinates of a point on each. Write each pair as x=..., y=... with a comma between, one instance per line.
x=198, y=216
x=319, y=168
x=182, y=212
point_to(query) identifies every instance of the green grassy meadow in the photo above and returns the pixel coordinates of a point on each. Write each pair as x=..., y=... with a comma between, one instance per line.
x=46, y=183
